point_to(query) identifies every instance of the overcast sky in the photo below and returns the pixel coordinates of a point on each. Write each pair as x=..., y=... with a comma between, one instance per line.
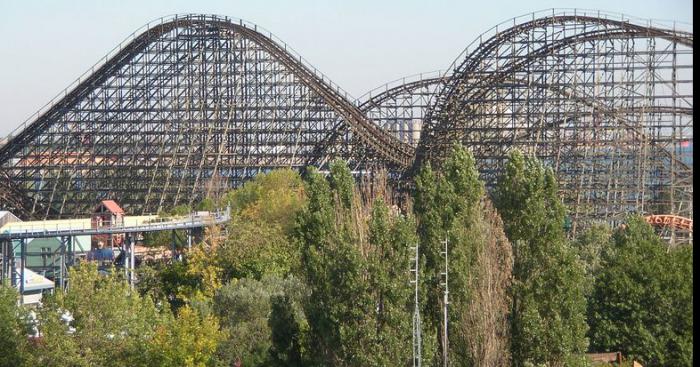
x=359, y=44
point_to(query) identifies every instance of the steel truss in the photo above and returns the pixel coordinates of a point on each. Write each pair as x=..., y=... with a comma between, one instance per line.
x=606, y=102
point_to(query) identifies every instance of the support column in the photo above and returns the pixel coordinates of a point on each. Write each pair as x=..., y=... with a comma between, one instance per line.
x=23, y=264
x=174, y=245
x=125, y=256
x=63, y=263
x=71, y=252
x=13, y=264
x=132, y=259
x=5, y=247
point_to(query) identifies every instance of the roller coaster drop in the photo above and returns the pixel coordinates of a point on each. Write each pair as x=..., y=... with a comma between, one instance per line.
x=193, y=105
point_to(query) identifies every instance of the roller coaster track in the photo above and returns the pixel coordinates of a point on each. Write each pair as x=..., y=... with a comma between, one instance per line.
x=604, y=99
x=395, y=100
x=482, y=85
x=289, y=103
x=381, y=142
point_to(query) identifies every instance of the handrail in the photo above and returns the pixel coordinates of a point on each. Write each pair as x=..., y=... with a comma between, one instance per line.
x=193, y=220
x=398, y=82
x=552, y=12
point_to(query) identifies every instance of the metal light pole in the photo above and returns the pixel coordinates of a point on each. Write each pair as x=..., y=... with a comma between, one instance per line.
x=416, y=314
x=445, y=303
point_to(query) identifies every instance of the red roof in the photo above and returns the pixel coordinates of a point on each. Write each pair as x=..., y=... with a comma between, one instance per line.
x=112, y=206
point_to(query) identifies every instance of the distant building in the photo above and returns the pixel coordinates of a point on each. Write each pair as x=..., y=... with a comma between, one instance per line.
x=685, y=151
x=34, y=287
x=7, y=217
x=107, y=214
x=43, y=254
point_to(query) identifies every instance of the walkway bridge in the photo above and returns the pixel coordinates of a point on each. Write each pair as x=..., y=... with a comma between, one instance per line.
x=14, y=240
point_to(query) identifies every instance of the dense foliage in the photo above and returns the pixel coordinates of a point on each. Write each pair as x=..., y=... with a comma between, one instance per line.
x=359, y=311
x=13, y=329
x=451, y=206
x=549, y=305
x=314, y=271
x=642, y=302
x=99, y=321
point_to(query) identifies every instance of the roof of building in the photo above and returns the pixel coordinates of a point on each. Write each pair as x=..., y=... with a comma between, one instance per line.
x=7, y=217
x=112, y=206
x=34, y=281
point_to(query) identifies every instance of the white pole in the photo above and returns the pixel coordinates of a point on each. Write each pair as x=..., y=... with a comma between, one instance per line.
x=132, y=262
x=445, y=303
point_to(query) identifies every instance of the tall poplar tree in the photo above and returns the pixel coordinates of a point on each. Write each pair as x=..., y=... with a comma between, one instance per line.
x=355, y=261
x=452, y=205
x=548, y=312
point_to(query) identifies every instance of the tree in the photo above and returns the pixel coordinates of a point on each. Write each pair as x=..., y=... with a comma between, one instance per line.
x=255, y=248
x=548, y=312
x=99, y=321
x=285, y=348
x=13, y=329
x=387, y=257
x=482, y=265
x=258, y=241
x=428, y=208
x=193, y=281
x=332, y=267
x=273, y=197
x=111, y=324
x=642, y=301
x=245, y=309
x=354, y=261
x=590, y=245
x=452, y=205
x=186, y=340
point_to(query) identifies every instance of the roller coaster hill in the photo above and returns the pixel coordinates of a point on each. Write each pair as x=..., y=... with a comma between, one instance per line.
x=190, y=106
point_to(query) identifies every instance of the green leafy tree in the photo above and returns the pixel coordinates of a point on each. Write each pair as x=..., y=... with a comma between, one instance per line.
x=428, y=208
x=258, y=241
x=548, y=313
x=590, y=245
x=14, y=329
x=192, y=281
x=332, y=266
x=451, y=205
x=642, y=302
x=256, y=248
x=390, y=237
x=285, y=349
x=354, y=260
x=186, y=340
x=244, y=307
x=273, y=197
x=111, y=324
x=107, y=324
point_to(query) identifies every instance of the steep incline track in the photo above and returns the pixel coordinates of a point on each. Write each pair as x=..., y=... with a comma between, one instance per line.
x=191, y=106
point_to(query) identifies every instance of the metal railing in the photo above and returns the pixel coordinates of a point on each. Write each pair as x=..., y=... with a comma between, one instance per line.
x=193, y=220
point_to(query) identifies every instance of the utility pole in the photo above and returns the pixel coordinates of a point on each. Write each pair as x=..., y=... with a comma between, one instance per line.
x=445, y=302
x=132, y=260
x=416, y=313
